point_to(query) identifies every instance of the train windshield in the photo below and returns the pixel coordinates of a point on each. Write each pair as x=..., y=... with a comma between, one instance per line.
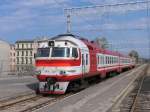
x=43, y=52
x=60, y=52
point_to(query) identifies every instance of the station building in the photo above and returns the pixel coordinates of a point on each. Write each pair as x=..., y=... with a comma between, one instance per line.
x=4, y=57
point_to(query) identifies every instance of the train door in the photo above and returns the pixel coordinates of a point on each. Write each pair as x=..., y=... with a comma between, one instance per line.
x=83, y=64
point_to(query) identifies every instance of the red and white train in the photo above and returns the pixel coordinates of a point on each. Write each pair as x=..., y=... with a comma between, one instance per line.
x=66, y=60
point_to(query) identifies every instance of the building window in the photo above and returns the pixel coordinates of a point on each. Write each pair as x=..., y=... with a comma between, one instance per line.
x=17, y=60
x=22, y=60
x=22, y=53
x=30, y=60
x=30, y=53
x=26, y=60
x=26, y=53
x=17, y=53
x=18, y=46
x=26, y=45
x=22, y=46
x=18, y=68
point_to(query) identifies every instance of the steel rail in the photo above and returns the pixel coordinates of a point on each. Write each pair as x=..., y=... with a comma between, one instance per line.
x=26, y=101
x=49, y=102
x=133, y=107
x=7, y=105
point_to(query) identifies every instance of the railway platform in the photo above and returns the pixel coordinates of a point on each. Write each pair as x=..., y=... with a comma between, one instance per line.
x=97, y=98
x=13, y=86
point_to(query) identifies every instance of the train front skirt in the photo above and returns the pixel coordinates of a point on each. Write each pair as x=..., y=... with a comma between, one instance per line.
x=57, y=88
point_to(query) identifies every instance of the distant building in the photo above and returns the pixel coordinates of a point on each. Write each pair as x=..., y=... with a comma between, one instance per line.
x=25, y=50
x=4, y=57
x=24, y=55
x=12, y=58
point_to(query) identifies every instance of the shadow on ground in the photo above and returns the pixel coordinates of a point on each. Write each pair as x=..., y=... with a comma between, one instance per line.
x=33, y=86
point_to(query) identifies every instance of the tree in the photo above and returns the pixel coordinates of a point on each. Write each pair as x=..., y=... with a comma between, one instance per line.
x=134, y=54
x=102, y=42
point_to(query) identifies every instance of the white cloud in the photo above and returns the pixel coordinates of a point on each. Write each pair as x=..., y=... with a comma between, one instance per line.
x=140, y=23
x=136, y=24
x=21, y=14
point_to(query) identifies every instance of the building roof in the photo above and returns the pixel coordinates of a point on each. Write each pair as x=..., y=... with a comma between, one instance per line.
x=25, y=41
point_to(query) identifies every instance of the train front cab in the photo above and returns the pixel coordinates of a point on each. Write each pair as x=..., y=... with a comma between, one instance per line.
x=56, y=66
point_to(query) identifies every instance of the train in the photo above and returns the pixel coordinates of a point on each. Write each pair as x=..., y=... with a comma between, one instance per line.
x=67, y=61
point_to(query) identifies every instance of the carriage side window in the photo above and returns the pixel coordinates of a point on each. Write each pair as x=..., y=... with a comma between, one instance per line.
x=113, y=60
x=83, y=59
x=87, y=59
x=110, y=59
x=106, y=59
x=74, y=52
x=101, y=60
x=98, y=59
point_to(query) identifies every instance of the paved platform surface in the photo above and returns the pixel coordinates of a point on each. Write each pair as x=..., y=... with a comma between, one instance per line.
x=97, y=98
x=11, y=86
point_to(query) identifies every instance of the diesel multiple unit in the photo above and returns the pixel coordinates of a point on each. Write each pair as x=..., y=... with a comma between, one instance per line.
x=66, y=61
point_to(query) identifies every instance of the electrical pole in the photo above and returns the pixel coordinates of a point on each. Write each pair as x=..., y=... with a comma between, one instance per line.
x=148, y=34
x=68, y=23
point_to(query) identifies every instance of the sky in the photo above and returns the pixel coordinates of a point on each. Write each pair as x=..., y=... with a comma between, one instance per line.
x=125, y=27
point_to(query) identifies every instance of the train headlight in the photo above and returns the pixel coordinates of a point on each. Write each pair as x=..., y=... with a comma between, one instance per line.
x=38, y=72
x=62, y=72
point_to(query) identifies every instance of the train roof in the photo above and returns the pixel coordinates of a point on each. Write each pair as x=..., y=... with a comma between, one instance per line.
x=72, y=38
x=92, y=45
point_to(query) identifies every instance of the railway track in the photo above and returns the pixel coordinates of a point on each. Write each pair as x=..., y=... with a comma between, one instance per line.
x=29, y=102
x=139, y=99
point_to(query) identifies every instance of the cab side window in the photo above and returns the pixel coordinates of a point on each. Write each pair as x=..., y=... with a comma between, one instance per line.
x=74, y=52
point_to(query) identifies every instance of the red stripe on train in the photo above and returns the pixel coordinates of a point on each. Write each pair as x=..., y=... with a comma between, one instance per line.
x=59, y=77
x=58, y=62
